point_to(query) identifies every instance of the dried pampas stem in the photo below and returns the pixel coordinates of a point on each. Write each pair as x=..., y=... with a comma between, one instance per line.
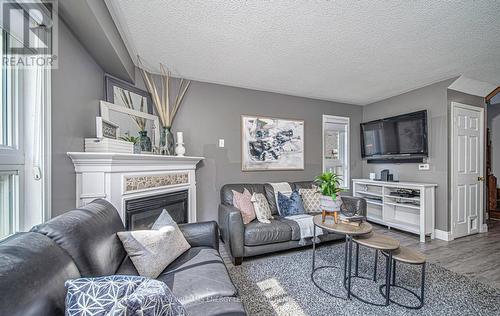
x=162, y=100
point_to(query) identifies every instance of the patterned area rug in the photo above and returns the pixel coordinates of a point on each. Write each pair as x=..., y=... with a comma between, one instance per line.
x=280, y=284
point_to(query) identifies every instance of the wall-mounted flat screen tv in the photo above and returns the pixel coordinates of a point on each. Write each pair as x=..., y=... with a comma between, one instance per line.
x=398, y=137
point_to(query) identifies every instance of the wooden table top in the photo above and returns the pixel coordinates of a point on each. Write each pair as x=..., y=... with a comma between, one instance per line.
x=340, y=228
x=407, y=255
x=377, y=241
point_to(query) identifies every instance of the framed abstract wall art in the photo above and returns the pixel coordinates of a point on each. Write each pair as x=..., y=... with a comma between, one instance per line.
x=271, y=143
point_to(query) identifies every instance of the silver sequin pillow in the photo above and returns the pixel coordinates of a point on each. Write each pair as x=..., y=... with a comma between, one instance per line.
x=151, y=251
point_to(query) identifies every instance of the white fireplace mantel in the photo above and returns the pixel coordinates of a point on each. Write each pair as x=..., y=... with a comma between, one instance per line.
x=121, y=177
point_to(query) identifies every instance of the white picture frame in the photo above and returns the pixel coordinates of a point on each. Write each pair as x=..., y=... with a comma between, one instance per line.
x=106, y=129
x=106, y=107
x=271, y=144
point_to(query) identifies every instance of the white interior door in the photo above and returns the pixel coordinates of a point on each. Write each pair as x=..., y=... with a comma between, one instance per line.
x=467, y=169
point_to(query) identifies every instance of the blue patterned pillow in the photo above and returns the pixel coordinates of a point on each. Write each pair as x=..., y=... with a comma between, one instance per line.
x=119, y=295
x=292, y=205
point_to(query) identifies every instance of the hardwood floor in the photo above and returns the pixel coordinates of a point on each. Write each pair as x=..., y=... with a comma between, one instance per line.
x=476, y=256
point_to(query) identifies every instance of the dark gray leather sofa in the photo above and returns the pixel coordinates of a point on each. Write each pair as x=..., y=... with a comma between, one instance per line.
x=83, y=243
x=257, y=238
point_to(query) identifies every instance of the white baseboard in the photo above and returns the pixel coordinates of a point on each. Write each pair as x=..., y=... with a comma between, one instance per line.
x=447, y=236
x=441, y=234
x=483, y=228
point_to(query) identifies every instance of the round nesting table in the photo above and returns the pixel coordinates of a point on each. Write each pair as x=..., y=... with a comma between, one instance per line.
x=377, y=242
x=406, y=256
x=343, y=229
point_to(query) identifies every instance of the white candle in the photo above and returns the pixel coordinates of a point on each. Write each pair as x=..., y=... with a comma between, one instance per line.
x=179, y=138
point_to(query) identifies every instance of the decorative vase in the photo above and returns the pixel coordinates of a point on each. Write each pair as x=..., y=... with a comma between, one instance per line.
x=328, y=203
x=137, y=148
x=145, y=141
x=167, y=142
x=180, y=150
x=329, y=206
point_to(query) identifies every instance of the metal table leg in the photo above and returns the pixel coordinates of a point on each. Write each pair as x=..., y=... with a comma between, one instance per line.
x=314, y=247
x=420, y=298
x=346, y=249
x=314, y=268
x=349, y=266
x=388, y=267
x=422, y=286
x=393, y=272
x=357, y=260
x=347, y=279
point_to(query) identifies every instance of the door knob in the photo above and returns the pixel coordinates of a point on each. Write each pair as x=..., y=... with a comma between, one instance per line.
x=480, y=178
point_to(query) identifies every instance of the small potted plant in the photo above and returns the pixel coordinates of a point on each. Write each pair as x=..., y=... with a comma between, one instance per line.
x=134, y=140
x=329, y=185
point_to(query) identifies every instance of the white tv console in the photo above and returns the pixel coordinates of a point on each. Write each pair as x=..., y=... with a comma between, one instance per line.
x=411, y=214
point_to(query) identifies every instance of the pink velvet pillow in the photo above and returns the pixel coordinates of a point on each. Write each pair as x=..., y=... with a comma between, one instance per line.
x=243, y=202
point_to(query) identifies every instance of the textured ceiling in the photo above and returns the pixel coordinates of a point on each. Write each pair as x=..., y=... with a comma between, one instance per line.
x=350, y=51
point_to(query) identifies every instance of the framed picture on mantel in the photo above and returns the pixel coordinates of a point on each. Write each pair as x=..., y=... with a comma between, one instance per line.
x=271, y=143
x=125, y=94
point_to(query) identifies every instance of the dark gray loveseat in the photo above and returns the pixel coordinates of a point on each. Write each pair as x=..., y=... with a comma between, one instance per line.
x=257, y=238
x=83, y=243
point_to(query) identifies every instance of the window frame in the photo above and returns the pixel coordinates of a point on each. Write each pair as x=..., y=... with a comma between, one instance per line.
x=18, y=200
x=346, y=181
x=14, y=153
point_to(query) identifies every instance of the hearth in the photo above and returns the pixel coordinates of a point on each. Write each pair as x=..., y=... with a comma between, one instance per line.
x=142, y=212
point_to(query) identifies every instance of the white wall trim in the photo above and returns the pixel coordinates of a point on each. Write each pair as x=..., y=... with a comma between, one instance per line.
x=47, y=148
x=442, y=235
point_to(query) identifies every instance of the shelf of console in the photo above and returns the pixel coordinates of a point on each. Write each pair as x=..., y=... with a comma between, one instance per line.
x=415, y=216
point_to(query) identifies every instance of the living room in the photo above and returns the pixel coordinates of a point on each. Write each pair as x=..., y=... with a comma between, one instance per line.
x=249, y=158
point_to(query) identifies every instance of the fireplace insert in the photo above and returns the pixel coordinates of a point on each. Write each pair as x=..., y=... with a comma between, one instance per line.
x=141, y=213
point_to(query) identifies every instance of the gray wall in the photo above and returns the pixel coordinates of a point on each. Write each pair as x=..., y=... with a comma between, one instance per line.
x=211, y=111
x=432, y=98
x=76, y=88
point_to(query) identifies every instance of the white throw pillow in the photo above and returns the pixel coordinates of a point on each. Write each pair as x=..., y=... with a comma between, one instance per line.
x=311, y=199
x=262, y=209
x=151, y=251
